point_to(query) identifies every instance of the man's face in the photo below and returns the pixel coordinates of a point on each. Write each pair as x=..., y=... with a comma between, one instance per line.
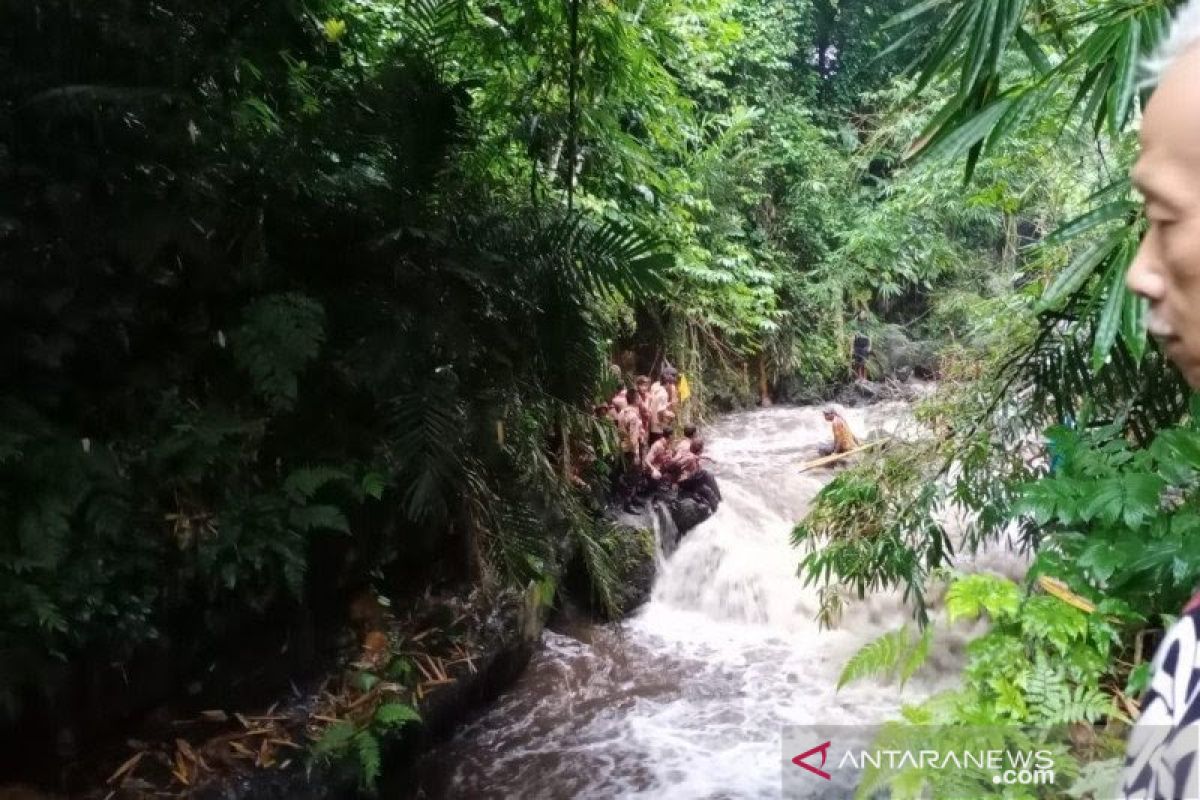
x=1166, y=270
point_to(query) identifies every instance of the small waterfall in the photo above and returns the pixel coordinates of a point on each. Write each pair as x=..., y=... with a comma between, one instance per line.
x=666, y=534
x=688, y=698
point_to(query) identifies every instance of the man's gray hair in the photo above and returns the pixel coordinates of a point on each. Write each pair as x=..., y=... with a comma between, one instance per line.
x=1183, y=36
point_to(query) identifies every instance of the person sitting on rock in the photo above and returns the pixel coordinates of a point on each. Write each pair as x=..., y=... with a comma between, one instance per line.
x=694, y=480
x=844, y=439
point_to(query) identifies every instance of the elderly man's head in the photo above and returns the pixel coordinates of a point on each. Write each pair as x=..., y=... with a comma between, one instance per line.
x=1166, y=270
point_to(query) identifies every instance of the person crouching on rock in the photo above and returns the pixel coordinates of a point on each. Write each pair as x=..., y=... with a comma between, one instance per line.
x=658, y=459
x=844, y=439
x=694, y=480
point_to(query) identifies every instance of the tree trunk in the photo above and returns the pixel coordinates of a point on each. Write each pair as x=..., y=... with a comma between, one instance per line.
x=764, y=387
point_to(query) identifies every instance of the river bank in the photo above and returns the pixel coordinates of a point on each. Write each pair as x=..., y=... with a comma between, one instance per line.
x=445, y=657
x=734, y=574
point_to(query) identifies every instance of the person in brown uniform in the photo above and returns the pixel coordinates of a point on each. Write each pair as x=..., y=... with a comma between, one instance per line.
x=631, y=435
x=844, y=439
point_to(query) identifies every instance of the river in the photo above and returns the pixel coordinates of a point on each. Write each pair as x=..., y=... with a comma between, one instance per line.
x=688, y=698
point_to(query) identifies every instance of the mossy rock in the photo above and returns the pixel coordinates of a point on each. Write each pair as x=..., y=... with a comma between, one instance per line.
x=630, y=552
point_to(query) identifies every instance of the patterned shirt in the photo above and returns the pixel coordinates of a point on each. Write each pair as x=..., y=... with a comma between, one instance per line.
x=629, y=428
x=1164, y=747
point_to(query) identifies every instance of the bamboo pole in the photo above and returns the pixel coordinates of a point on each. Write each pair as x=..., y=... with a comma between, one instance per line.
x=830, y=459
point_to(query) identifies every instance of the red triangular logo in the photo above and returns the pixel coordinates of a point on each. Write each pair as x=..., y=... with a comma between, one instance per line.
x=823, y=749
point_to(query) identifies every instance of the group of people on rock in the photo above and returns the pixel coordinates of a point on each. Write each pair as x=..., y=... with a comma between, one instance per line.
x=653, y=458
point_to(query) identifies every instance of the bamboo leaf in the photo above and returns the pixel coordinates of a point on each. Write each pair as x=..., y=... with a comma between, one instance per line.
x=1122, y=90
x=1133, y=325
x=1024, y=101
x=1032, y=50
x=913, y=12
x=980, y=48
x=1094, y=111
x=962, y=138
x=939, y=56
x=894, y=46
x=1078, y=271
x=935, y=127
x=1089, y=79
x=1008, y=17
x=1110, y=317
x=1092, y=219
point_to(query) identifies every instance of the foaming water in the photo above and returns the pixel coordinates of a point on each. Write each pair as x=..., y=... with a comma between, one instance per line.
x=688, y=698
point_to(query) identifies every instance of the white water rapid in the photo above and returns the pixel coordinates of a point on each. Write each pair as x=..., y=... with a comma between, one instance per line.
x=688, y=698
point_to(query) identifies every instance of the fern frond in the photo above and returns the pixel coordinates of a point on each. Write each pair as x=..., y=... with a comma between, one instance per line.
x=370, y=759
x=394, y=715
x=301, y=484
x=879, y=658
x=599, y=565
x=916, y=657
x=279, y=335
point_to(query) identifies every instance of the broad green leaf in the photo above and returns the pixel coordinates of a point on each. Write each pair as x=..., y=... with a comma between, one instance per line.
x=1142, y=493
x=1139, y=679
x=973, y=595
x=318, y=517
x=335, y=740
x=1101, y=559
x=1103, y=501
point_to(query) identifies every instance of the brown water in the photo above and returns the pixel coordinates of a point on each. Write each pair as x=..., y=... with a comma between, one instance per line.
x=688, y=698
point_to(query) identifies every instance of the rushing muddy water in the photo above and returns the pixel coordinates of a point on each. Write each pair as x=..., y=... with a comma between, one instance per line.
x=688, y=698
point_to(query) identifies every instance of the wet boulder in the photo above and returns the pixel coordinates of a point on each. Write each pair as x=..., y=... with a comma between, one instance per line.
x=896, y=355
x=616, y=587
x=688, y=512
x=632, y=545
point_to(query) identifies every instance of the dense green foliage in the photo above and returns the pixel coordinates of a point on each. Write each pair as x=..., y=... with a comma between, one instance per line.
x=1105, y=498
x=337, y=282
x=258, y=313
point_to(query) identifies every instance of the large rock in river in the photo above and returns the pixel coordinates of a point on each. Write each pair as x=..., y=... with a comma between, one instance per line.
x=632, y=546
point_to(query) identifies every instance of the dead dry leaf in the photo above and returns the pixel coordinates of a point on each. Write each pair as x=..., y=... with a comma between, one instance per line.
x=126, y=767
